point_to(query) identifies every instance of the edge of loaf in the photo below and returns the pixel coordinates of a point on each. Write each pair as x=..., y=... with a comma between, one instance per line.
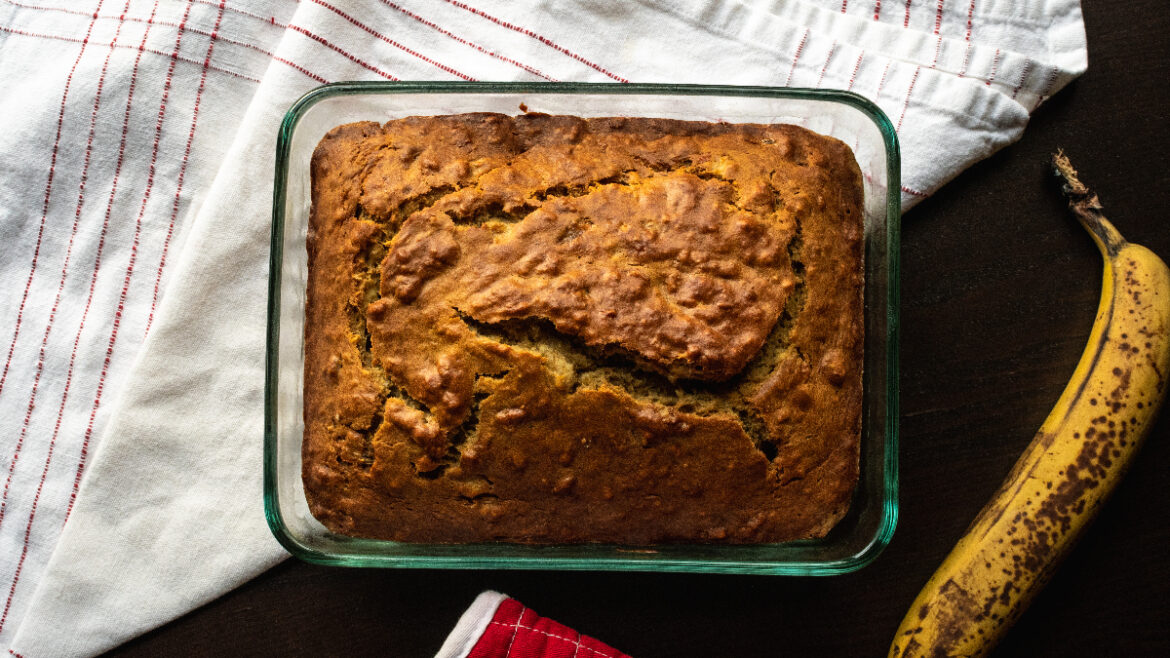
x=546, y=329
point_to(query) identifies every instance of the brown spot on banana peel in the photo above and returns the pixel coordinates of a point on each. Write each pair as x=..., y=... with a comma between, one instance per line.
x=1043, y=441
x=952, y=605
x=1043, y=528
x=1015, y=480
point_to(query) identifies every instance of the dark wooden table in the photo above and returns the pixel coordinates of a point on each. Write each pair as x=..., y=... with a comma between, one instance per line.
x=999, y=290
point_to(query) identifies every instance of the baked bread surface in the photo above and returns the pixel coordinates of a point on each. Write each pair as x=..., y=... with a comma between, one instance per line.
x=547, y=329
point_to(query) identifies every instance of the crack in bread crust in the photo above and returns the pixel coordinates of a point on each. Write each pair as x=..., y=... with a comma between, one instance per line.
x=593, y=366
x=496, y=300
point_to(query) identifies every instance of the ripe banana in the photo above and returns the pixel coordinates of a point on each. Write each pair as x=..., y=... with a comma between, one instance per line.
x=1071, y=466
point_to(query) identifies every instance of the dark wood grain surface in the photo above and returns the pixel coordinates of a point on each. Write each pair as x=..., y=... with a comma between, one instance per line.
x=999, y=290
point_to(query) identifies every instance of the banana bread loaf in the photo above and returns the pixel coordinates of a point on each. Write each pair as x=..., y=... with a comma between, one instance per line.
x=548, y=329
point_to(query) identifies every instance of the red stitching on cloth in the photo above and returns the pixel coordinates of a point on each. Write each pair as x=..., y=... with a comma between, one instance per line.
x=271, y=20
x=994, y=68
x=106, y=221
x=302, y=69
x=909, y=91
x=56, y=37
x=905, y=189
x=77, y=340
x=242, y=12
x=32, y=399
x=967, y=38
x=48, y=329
x=538, y=37
x=906, y=21
x=828, y=58
x=142, y=208
x=796, y=56
x=1047, y=87
x=844, y=3
x=1023, y=78
x=877, y=9
x=511, y=615
x=856, y=68
x=162, y=111
x=45, y=206
x=325, y=42
x=76, y=12
x=938, y=16
x=576, y=642
x=390, y=41
x=182, y=173
x=134, y=253
x=882, y=81
x=468, y=43
x=297, y=67
x=194, y=30
x=515, y=632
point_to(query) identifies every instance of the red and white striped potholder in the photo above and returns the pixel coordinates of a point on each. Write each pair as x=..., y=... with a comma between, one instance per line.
x=498, y=626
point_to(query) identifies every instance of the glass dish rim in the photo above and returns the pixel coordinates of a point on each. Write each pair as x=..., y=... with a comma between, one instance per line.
x=889, y=485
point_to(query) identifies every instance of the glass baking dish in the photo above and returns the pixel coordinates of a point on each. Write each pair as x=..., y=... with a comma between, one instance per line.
x=852, y=544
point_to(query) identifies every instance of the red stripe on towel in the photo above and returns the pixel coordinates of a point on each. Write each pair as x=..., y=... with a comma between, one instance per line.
x=45, y=206
x=465, y=42
x=77, y=340
x=542, y=39
x=390, y=41
x=82, y=458
x=32, y=399
x=796, y=56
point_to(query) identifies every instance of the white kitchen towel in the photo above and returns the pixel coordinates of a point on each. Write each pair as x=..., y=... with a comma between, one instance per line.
x=135, y=192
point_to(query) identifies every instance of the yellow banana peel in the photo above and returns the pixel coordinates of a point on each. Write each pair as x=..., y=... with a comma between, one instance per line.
x=1071, y=466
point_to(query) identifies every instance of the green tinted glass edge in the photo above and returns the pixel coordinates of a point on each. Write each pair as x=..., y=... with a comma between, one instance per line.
x=889, y=513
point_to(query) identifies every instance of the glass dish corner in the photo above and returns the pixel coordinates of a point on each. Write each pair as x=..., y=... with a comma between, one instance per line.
x=854, y=543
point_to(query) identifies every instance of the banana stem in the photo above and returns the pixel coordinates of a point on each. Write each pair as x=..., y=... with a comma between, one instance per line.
x=1087, y=208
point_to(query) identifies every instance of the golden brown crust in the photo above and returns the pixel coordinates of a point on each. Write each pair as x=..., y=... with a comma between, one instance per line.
x=550, y=329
